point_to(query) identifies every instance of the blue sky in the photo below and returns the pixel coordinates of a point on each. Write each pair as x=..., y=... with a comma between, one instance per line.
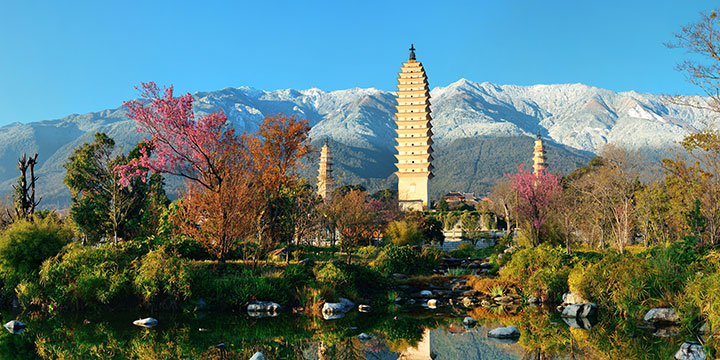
x=63, y=57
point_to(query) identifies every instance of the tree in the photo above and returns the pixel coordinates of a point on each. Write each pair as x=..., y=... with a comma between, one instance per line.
x=101, y=206
x=24, y=191
x=502, y=199
x=353, y=218
x=401, y=233
x=443, y=205
x=535, y=193
x=702, y=39
x=472, y=226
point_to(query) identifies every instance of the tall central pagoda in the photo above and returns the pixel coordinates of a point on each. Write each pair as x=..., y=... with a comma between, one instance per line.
x=414, y=135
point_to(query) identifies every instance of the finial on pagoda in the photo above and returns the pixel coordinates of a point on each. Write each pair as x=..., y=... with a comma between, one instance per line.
x=412, y=52
x=538, y=135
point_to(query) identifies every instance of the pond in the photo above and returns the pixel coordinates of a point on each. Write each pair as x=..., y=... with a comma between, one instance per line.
x=390, y=335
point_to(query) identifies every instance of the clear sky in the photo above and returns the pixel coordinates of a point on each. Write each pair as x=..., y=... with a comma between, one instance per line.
x=63, y=57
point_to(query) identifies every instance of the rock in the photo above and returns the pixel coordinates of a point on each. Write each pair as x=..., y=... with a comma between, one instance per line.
x=503, y=299
x=364, y=337
x=571, y=298
x=666, y=332
x=662, y=315
x=331, y=316
x=263, y=306
x=86, y=322
x=15, y=327
x=579, y=310
x=580, y=322
x=411, y=302
x=341, y=307
x=532, y=300
x=258, y=356
x=469, y=321
x=509, y=332
x=468, y=302
x=485, y=303
x=15, y=302
x=690, y=351
x=426, y=293
x=261, y=314
x=432, y=303
x=146, y=322
x=364, y=308
x=203, y=330
x=399, y=276
x=219, y=346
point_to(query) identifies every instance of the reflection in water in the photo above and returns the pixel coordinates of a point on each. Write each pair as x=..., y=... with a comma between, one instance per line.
x=391, y=336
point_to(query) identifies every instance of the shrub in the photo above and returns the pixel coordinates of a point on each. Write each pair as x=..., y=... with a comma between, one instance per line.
x=229, y=290
x=543, y=270
x=465, y=250
x=82, y=276
x=400, y=259
x=25, y=245
x=163, y=275
x=432, y=256
x=402, y=233
x=367, y=252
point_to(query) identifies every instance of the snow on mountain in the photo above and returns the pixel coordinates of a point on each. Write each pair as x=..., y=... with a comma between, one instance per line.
x=575, y=115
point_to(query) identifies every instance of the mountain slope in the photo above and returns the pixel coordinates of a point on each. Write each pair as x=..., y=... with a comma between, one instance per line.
x=578, y=119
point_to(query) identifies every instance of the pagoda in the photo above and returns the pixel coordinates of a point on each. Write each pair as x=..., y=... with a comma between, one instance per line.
x=539, y=155
x=324, y=179
x=414, y=135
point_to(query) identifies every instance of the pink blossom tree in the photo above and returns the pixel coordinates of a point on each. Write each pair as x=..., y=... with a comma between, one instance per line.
x=183, y=145
x=535, y=196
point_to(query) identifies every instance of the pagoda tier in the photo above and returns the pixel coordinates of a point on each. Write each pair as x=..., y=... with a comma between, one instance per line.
x=539, y=155
x=414, y=135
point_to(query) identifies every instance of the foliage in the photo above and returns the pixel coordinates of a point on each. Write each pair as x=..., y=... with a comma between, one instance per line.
x=465, y=250
x=353, y=218
x=25, y=245
x=367, y=252
x=402, y=233
x=536, y=192
x=542, y=270
x=163, y=275
x=400, y=259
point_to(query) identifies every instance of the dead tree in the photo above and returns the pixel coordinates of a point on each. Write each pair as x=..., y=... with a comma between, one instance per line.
x=24, y=191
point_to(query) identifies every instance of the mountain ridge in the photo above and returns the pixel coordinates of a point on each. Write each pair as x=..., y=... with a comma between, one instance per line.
x=579, y=118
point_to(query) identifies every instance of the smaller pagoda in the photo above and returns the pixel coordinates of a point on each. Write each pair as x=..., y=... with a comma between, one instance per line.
x=324, y=179
x=539, y=155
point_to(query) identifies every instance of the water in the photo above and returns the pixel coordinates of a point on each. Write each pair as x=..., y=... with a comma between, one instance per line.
x=393, y=336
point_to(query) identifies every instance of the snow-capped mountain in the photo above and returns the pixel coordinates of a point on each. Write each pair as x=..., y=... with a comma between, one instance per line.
x=360, y=122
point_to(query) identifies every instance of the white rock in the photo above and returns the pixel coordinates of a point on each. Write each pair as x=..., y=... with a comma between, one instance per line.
x=146, y=322
x=364, y=337
x=508, y=332
x=364, y=308
x=662, y=315
x=572, y=298
x=690, y=351
x=258, y=356
x=15, y=327
x=579, y=310
x=432, y=303
x=426, y=293
x=263, y=306
x=469, y=321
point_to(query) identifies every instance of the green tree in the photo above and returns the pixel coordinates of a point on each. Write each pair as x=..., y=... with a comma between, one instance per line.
x=101, y=206
x=402, y=233
x=471, y=226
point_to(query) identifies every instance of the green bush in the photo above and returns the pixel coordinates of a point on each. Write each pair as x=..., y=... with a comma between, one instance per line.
x=465, y=250
x=402, y=233
x=25, y=245
x=367, y=252
x=542, y=271
x=163, y=275
x=432, y=256
x=85, y=276
x=400, y=259
x=236, y=289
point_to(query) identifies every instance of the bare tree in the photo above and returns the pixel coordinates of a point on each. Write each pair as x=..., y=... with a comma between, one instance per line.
x=24, y=191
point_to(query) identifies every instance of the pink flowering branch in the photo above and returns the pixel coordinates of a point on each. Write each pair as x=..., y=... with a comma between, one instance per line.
x=536, y=193
x=184, y=145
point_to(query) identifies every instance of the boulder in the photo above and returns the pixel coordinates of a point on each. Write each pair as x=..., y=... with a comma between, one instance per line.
x=432, y=303
x=364, y=308
x=690, y=351
x=263, y=306
x=15, y=327
x=426, y=293
x=580, y=322
x=485, y=303
x=341, y=307
x=468, y=302
x=146, y=322
x=662, y=315
x=532, y=300
x=667, y=331
x=364, y=337
x=469, y=321
x=572, y=298
x=509, y=332
x=503, y=299
x=579, y=310
x=258, y=356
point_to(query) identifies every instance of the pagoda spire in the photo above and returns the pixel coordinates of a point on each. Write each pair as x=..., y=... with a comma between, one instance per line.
x=539, y=155
x=414, y=135
x=324, y=179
